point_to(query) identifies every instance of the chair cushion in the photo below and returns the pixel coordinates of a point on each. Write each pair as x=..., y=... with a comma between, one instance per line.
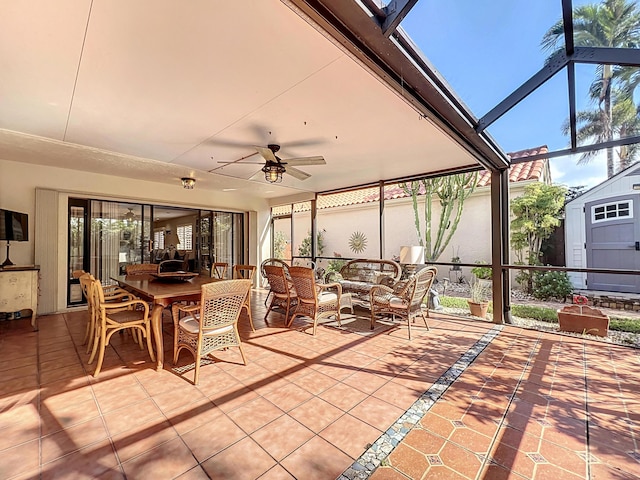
x=356, y=287
x=397, y=302
x=327, y=297
x=192, y=325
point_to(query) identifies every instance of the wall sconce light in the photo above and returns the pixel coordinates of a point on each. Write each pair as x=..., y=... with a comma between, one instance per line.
x=636, y=186
x=188, y=182
x=273, y=172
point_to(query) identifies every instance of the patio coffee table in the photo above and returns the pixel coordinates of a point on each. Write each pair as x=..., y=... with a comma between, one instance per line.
x=162, y=294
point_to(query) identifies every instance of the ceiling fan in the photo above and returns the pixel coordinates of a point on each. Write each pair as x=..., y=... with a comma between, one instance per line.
x=274, y=166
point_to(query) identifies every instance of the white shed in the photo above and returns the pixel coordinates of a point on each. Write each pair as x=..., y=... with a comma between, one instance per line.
x=602, y=230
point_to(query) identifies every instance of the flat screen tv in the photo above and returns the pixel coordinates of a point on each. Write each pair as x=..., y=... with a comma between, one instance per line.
x=14, y=226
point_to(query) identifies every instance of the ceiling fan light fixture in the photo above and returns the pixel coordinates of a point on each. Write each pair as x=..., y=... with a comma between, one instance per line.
x=273, y=172
x=188, y=182
x=129, y=215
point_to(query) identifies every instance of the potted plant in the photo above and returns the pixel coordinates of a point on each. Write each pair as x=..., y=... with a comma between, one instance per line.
x=456, y=259
x=479, y=298
x=482, y=271
x=580, y=318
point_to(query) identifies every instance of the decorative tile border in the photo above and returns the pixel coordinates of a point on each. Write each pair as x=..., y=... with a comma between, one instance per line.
x=376, y=454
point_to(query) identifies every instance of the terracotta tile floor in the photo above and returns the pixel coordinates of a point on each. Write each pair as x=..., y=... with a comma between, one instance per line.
x=532, y=405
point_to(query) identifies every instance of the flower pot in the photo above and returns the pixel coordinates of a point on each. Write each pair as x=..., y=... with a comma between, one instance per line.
x=478, y=309
x=584, y=320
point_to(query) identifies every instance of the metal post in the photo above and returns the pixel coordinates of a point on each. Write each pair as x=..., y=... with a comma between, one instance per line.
x=497, y=244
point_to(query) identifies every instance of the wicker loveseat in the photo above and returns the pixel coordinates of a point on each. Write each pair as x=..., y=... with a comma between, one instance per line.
x=358, y=276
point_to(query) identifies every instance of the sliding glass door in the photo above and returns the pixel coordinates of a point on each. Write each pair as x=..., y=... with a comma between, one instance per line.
x=116, y=238
x=78, y=241
x=106, y=236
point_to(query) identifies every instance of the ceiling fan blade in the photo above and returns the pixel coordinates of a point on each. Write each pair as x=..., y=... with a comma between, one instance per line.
x=226, y=143
x=240, y=162
x=267, y=154
x=318, y=160
x=256, y=175
x=303, y=143
x=299, y=174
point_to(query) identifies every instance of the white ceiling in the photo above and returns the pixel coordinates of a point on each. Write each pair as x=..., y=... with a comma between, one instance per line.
x=159, y=89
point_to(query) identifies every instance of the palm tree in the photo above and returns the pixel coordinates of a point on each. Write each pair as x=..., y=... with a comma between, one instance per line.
x=624, y=122
x=614, y=24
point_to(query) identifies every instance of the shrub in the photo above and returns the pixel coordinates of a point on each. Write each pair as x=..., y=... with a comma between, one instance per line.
x=304, y=250
x=279, y=245
x=552, y=284
x=481, y=272
x=335, y=265
x=537, y=313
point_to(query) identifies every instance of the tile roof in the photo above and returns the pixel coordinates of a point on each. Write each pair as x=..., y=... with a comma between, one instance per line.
x=519, y=172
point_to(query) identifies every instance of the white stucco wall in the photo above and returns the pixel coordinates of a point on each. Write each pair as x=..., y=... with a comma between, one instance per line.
x=471, y=241
x=18, y=183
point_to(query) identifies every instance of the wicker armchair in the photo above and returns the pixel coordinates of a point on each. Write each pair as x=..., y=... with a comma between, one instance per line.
x=314, y=299
x=405, y=299
x=282, y=292
x=278, y=263
x=212, y=324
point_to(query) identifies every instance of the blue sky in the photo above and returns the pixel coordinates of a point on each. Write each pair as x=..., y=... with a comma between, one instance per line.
x=485, y=50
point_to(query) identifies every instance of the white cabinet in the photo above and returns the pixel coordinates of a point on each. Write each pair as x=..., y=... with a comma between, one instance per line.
x=19, y=290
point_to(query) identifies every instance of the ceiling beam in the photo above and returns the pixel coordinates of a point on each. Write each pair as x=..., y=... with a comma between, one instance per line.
x=590, y=55
x=553, y=66
x=582, y=149
x=571, y=80
x=628, y=57
x=395, y=12
x=567, y=22
x=398, y=64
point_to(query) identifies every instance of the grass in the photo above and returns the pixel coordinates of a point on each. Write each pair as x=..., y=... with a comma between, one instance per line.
x=544, y=314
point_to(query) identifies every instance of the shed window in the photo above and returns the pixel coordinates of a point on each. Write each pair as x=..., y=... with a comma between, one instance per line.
x=611, y=211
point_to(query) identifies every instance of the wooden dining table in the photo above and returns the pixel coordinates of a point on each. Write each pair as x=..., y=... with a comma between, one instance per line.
x=161, y=293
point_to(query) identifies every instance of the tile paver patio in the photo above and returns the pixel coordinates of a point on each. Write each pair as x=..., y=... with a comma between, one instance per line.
x=531, y=405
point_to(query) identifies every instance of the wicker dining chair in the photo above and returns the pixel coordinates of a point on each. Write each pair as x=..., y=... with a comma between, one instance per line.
x=212, y=324
x=405, y=300
x=246, y=272
x=314, y=300
x=281, y=291
x=112, y=293
x=112, y=317
x=219, y=270
x=141, y=269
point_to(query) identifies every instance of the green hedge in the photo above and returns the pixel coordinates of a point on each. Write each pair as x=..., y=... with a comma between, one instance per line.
x=537, y=313
x=621, y=324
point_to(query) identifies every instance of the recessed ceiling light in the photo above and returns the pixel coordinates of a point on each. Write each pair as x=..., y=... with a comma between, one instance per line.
x=229, y=189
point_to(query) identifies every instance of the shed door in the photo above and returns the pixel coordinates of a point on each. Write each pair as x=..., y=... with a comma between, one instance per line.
x=612, y=232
